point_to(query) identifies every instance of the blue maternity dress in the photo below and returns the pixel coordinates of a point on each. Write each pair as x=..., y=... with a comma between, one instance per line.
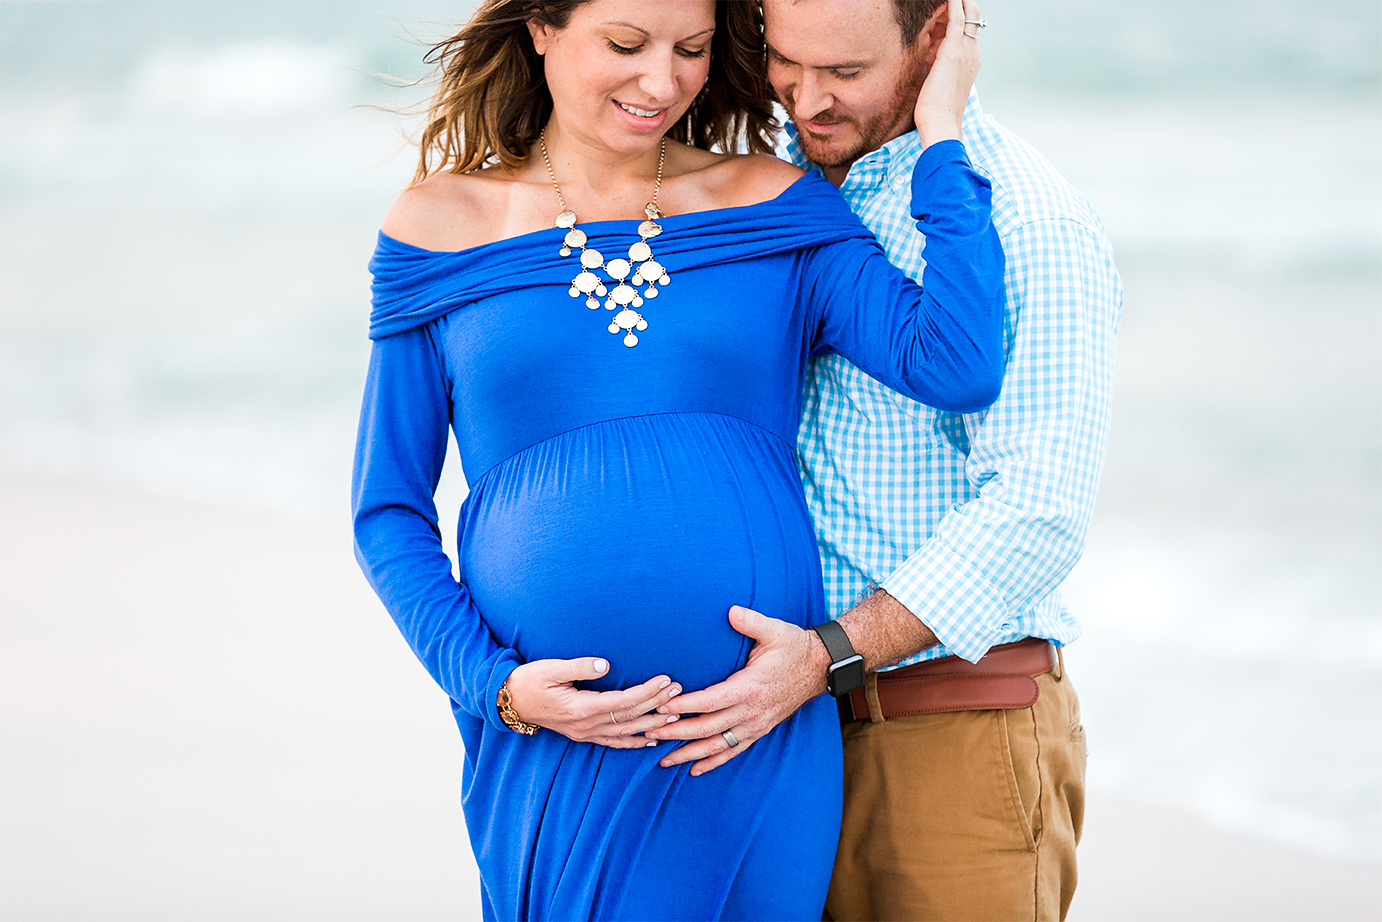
x=622, y=499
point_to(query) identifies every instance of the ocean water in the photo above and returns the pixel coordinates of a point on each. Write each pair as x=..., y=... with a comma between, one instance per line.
x=189, y=193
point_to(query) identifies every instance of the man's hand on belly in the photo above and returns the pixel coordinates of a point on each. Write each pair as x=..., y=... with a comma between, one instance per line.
x=785, y=670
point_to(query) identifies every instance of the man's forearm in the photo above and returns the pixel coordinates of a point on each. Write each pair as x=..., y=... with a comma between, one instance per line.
x=883, y=631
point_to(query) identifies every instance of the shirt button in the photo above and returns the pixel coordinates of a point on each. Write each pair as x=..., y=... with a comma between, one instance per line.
x=899, y=182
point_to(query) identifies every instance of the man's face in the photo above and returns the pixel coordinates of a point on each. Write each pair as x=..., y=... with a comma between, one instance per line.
x=842, y=73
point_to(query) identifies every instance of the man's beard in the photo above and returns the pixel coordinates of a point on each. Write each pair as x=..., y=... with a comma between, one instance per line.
x=872, y=134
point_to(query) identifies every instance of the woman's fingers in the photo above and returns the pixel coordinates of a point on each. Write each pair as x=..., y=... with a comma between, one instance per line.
x=584, y=669
x=956, y=16
x=544, y=693
x=616, y=718
x=963, y=43
x=563, y=671
x=969, y=12
x=591, y=716
x=625, y=704
x=627, y=700
x=641, y=699
x=634, y=727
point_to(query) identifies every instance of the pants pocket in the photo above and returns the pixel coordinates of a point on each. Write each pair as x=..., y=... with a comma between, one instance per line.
x=1019, y=748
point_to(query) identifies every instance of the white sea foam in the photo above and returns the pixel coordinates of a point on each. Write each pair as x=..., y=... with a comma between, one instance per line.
x=1237, y=594
x=1293, y=181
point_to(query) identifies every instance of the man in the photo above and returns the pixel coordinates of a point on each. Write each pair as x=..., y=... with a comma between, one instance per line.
x=943, y=538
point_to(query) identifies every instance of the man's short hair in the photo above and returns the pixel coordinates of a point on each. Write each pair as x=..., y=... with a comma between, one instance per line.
x=911, y=15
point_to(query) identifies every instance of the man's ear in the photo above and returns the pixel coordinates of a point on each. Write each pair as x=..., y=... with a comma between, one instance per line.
x=933, y=33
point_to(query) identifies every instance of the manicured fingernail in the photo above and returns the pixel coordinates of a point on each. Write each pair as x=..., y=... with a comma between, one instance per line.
x=664, y=685
x=600, y=666
x=650, y=745
x=674, y=692
x=673, y=719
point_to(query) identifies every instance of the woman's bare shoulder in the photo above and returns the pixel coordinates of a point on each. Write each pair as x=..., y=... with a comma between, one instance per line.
x=449, y=211
x=764, y=177
x=746, y=179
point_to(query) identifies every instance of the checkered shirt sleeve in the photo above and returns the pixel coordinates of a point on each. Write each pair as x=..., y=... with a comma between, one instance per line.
x=972, y=521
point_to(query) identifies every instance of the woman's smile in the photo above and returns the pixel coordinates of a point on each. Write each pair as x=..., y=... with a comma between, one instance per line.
x=641, y=113
x=648, y=119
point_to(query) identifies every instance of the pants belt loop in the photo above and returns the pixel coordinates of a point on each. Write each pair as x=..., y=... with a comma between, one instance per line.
x=871, y=696
x=1059, y=671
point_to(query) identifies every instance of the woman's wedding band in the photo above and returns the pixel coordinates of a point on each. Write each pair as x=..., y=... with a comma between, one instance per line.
x=730, y=738
x=612, y=717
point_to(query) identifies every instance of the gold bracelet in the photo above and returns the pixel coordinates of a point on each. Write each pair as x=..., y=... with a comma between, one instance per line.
x=509, y=715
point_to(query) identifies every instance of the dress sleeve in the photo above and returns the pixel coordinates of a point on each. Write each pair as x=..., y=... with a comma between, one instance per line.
x=399, y=453
x=941, y=342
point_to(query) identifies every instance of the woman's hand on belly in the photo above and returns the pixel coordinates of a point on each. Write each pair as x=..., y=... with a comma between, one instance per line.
x=544, y=692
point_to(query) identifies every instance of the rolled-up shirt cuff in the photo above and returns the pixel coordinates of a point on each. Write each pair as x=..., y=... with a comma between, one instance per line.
x=952, y=597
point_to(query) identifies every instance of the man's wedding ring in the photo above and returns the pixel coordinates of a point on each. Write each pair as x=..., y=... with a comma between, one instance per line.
x=730, y=738
x=977, y=24
x=612, y=717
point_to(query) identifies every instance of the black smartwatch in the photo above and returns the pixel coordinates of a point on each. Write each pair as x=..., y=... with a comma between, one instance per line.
x=846, y=671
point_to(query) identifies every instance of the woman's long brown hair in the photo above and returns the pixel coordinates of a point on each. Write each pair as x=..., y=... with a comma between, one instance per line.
x=492, y=101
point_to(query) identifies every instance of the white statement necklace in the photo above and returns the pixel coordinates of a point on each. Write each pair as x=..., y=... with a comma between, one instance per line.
x=622, y=272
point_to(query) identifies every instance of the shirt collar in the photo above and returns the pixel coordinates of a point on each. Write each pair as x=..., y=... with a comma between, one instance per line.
x=871, y=171
x=891, y=163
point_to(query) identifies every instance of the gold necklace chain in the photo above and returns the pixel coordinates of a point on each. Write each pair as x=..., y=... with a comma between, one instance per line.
x=657, y=188
x=623, y=272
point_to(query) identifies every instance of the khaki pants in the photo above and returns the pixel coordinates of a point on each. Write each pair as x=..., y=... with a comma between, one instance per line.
x=960, y=816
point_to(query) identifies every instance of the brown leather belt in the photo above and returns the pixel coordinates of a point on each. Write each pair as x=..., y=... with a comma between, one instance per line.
x=1004, y=678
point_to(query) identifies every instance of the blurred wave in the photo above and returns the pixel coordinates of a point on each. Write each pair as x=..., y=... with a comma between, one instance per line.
x=256, y=81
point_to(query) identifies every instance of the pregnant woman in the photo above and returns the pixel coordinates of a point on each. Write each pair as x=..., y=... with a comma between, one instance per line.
x=614, y=322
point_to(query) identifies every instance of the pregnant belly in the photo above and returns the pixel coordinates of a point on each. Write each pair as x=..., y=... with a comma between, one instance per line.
x=631, y=539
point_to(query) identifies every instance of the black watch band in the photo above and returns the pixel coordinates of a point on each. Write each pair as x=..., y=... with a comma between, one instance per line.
x=846, y=671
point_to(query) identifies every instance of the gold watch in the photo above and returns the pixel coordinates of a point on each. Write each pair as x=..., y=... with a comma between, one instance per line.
x=509, y=715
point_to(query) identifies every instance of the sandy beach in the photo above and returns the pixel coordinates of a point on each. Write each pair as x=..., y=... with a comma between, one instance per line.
x=207, y=715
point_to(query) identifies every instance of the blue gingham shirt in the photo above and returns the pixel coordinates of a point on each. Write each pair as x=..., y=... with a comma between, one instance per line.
x=972, y=521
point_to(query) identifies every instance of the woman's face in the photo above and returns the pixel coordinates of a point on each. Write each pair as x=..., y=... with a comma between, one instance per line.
x=623, y=71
